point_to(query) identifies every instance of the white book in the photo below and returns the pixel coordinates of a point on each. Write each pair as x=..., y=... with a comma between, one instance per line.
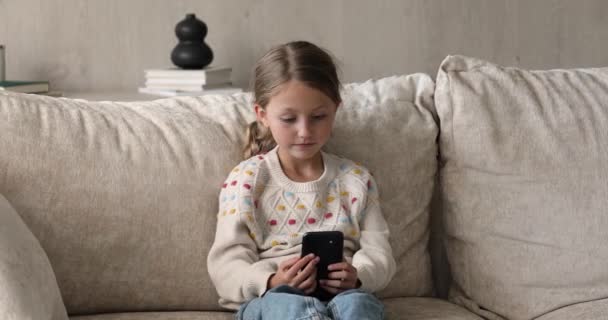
x=211, y=75
x=181, y=82
x=174, y=93
x=178, y=87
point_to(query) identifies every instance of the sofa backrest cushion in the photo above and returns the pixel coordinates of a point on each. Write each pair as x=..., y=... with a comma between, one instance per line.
x=524, y=165
x=389, y=125
x=28, y=288
x=123, y=196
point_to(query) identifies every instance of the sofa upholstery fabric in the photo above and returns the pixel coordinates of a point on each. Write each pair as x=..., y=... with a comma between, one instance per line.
x=591, y=310
x=28, y=288
x=123, y=196
x=524, y=158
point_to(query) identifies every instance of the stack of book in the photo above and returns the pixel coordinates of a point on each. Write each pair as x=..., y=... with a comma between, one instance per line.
x=180, y=82
x=37, y=87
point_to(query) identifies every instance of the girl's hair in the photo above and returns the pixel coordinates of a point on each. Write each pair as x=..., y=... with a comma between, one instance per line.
x=298, y=60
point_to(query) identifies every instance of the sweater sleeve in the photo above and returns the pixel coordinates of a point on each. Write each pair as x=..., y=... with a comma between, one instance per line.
x=233, y=262
x=374, y=260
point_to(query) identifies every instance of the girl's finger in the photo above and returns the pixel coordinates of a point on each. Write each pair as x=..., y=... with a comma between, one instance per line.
x=343, y=275
x=286, y=264
x=308, y=283
x=299, y=265
x=339, y=266
x=309, y=270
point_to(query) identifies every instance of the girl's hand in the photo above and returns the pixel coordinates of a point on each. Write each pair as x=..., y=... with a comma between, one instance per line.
x=342, y=276
x=297, y=272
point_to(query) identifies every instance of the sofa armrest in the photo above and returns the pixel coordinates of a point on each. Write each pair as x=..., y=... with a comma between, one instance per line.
x=28, y=287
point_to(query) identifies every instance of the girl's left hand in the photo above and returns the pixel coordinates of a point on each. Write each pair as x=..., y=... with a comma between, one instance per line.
x=342, y=276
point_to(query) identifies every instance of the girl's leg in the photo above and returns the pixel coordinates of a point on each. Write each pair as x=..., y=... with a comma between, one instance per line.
x=250, y=310
x=283, y=302
x=356, y=304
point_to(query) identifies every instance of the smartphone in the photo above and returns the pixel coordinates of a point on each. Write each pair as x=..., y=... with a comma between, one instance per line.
x=328, y=246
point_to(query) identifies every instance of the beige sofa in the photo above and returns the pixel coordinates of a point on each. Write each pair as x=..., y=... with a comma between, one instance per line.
x=492, y=177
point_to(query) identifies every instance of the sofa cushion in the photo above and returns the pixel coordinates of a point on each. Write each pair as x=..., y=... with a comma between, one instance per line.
x=396, y=309
x=591, y=310
x=388, y=125
x=524, y=158
x=123, y=196
x=183, y=315
x=425, y=309
x=28, y=288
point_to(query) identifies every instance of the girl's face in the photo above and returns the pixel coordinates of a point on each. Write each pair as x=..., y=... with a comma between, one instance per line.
x=300, y=119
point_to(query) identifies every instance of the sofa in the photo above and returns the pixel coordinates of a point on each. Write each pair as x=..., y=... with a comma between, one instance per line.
x=493, y=180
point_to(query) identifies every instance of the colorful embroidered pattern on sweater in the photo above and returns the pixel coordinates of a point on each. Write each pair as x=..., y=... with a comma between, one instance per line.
x=277, y=216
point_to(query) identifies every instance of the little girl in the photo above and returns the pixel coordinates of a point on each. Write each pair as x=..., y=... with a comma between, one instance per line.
x=289, y=186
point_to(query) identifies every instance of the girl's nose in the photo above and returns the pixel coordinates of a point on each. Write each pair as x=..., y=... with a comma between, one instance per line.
x=304, y=130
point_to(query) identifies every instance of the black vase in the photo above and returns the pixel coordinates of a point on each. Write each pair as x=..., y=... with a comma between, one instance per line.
x=191, y=52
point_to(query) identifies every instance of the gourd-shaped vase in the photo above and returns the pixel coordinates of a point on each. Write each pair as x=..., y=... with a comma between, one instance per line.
x=191, y=52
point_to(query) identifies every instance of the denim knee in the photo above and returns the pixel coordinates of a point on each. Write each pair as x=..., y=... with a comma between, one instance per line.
x=356, y=304
x=283, y=302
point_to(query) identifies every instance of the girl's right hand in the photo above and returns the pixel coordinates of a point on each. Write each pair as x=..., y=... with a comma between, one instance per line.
x=297, y=272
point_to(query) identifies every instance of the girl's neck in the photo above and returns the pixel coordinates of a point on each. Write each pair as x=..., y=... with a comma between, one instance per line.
x=302, y=170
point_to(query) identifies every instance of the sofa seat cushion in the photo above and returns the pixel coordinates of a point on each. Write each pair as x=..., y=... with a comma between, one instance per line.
x=591, y=310
x=396, y=309
x=524, y=168
x=181, y=315
x=425, y=309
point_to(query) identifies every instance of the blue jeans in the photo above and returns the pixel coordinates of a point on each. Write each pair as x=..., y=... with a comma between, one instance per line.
x=288, y=303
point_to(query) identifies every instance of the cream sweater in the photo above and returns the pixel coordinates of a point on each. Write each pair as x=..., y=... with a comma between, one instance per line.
x=263, y=216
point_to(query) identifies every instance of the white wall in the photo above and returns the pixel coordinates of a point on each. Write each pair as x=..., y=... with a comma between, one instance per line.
x=106, y=44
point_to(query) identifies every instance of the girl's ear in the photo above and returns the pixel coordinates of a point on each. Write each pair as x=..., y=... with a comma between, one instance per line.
x=260, y=114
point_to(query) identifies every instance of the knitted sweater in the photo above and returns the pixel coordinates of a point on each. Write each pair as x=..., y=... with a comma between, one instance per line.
x=263, y=216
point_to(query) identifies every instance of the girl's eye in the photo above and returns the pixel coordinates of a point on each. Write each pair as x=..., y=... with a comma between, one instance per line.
x=288, y=120
x=319, y=117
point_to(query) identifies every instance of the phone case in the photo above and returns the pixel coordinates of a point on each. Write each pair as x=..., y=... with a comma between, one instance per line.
x=328, y=245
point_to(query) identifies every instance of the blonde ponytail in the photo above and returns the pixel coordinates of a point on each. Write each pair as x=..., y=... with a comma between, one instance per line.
x=259, y=140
